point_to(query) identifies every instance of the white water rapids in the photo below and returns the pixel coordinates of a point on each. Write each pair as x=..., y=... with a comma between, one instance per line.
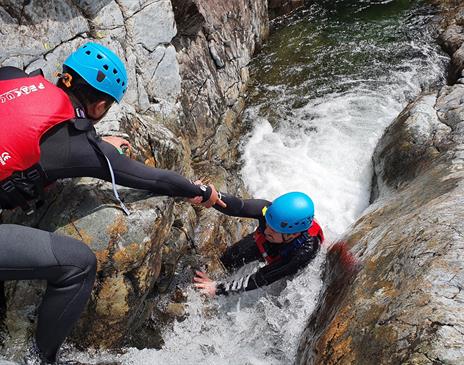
x=323, y=147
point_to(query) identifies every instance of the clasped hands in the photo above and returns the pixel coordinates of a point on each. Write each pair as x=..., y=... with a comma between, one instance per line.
x=213, y=198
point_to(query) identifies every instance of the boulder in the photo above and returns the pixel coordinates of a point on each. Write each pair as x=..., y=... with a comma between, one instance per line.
x=393, y=287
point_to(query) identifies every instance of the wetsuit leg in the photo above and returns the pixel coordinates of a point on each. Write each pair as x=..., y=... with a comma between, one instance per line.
x=69, y=267
x=241, y=253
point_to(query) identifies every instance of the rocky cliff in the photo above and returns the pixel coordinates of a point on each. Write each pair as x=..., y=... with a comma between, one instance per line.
x=393, y=289
x=188, y=69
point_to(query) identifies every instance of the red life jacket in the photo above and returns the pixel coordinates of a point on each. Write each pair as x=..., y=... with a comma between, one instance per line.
x=29, y=107
x=314, y=231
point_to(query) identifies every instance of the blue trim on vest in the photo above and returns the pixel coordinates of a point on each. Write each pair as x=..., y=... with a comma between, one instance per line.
x=296, y=244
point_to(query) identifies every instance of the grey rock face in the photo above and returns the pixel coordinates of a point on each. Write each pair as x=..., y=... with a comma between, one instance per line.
x=211, y=54
x=409, y=145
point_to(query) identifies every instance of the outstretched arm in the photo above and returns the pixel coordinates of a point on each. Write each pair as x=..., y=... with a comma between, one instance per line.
x=246, y=208
x=67, y=153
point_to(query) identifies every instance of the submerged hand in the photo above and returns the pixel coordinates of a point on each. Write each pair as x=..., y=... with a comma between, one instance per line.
x=205, y=284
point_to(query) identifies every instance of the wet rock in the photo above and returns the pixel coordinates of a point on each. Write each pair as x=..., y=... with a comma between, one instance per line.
x=449, y=105
x=218, y=42
x=457, y=65
x=214, y=54
x=392, y=287
x=176, y=310
x=452, y=38
x=460, y=17
x=409, y=145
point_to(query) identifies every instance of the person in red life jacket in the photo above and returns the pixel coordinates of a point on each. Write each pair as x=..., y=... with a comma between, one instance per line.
x=48, y=134
x=287, y=239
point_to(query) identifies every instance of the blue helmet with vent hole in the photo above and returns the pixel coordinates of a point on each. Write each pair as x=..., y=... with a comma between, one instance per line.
x=101, y=68
x=290, y=213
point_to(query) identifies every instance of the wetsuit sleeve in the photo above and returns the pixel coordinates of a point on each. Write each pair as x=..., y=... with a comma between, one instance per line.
x=241, y=253
x=10, y=72
x=135, y=174
x=67, y=153
x=246, y=208
x=273, y=272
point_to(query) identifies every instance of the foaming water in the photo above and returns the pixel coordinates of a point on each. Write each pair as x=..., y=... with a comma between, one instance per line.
x=326, y=86
x=254, y=329
x=257, y=328
x=328, y=156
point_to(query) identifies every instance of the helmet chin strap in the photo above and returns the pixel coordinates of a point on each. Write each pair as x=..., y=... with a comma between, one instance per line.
x=288, y=239
x=65, y=78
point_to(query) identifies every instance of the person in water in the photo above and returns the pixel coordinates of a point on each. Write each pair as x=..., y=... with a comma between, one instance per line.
x=287, y=239
x=48, y=134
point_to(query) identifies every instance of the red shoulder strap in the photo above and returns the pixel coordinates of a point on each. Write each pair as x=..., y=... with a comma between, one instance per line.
x=260, y=239
x=316, y=231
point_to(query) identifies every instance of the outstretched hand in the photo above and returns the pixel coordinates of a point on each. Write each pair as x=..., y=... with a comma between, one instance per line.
x=214, y=198
x=204, y=284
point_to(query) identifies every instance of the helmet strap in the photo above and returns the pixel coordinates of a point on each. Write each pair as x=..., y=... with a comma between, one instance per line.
x=65, y=78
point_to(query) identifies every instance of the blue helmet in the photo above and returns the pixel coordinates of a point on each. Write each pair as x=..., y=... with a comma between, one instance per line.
x=101, y=68
x=290, y=213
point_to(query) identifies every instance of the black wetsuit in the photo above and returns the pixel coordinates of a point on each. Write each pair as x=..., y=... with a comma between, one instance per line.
x=291, y=259
x=68, y=265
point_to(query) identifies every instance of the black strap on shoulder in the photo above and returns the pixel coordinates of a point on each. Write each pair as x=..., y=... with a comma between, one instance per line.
x=82, y=124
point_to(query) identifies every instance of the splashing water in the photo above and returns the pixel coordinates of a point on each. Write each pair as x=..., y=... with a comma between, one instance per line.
x=251, y=329
x=325, y=87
